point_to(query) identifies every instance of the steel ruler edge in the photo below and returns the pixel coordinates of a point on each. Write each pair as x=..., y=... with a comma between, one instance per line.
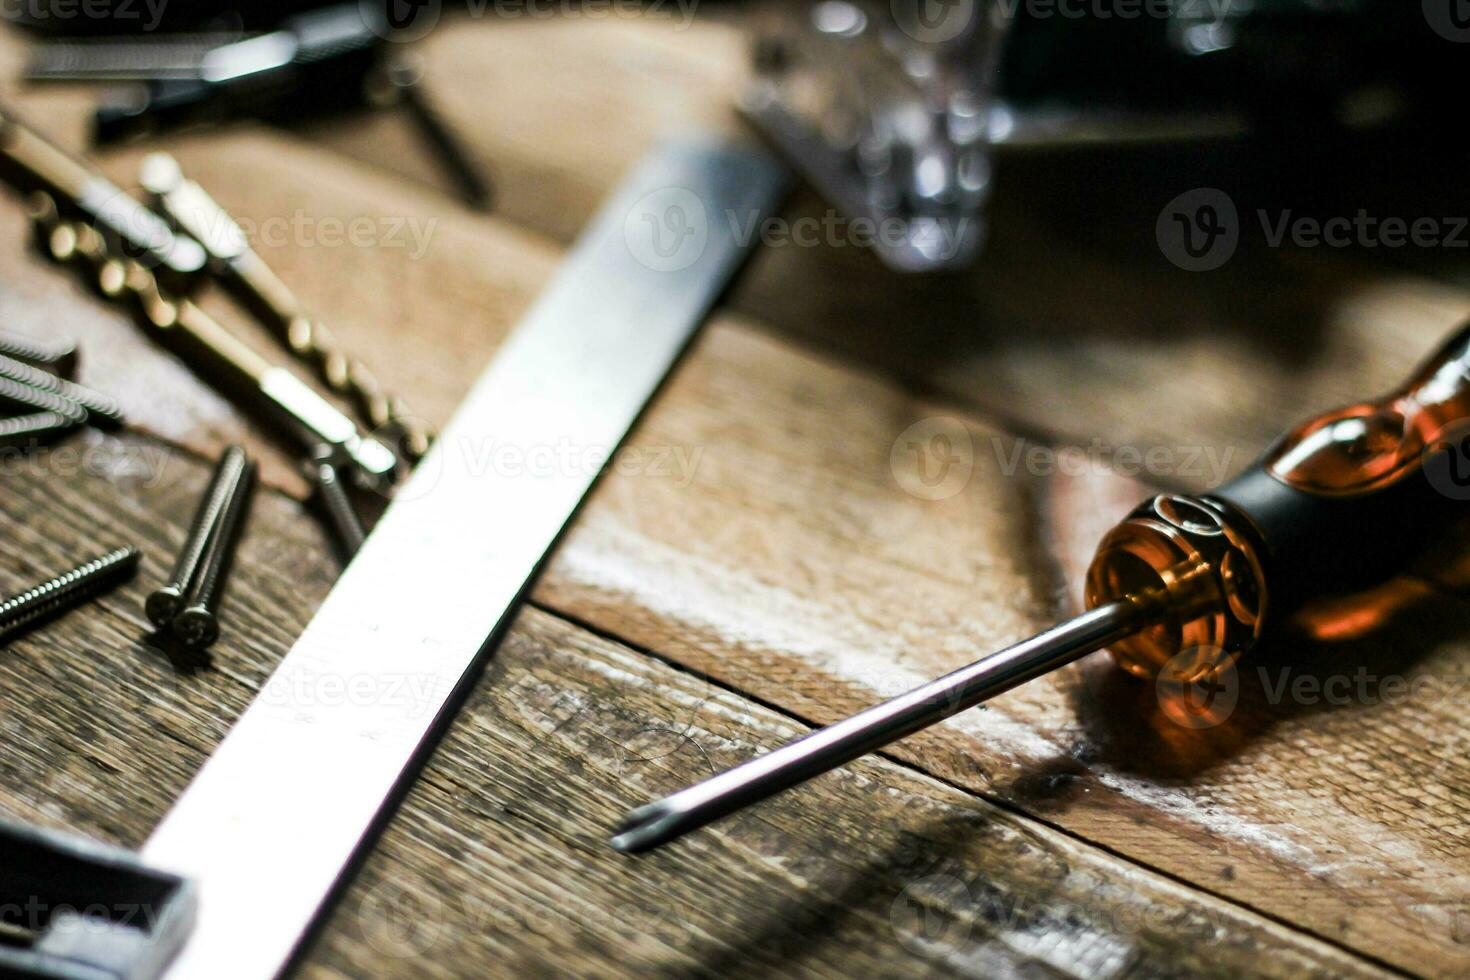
x=276, y=819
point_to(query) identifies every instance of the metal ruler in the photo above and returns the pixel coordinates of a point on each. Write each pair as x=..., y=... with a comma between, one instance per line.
x=298, y=788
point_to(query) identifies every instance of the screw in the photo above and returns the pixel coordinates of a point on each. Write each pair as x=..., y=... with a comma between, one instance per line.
x=57, y=356
x=163, y=604
x=23, y=430
x=102, y=410
x=331, y=494
x=24, y=399
x=65, y=591
x=198, y=624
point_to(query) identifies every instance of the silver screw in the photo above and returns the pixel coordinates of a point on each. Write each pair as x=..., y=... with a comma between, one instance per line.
x=24, y=430
x=333, y=498
x=102, y=410
x=65, y=591
x=23, y=399
x=57, y=356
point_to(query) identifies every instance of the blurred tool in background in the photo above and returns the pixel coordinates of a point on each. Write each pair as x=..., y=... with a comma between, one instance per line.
x=304, y=65
x=892, y=109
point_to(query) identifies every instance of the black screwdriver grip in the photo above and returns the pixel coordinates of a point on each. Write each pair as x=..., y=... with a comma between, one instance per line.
x=1316, y=545
x=1348, y=499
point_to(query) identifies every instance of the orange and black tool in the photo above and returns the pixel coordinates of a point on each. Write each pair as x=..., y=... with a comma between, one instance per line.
x=1187, y=583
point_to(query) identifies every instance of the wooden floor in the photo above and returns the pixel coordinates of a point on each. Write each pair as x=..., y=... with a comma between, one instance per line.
x=773, y=572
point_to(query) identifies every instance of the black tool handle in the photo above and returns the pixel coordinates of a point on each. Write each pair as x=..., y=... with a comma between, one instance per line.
x=1345, y=500
x=1342, y=502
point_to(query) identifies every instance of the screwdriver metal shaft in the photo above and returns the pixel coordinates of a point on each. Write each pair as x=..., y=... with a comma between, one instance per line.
x=658, y=823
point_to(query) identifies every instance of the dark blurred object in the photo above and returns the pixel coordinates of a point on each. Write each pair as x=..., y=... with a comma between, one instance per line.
x=55, y=882
x=1322, y=60
x=891, y=107
x=116, y=17
x=324, y=61
x=327, y=53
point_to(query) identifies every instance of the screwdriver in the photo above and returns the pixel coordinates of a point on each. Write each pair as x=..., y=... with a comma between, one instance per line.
x=1185, y=584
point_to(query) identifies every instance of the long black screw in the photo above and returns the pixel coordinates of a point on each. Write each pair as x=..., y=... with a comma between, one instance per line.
x=102, y=410
x=57, y=356
x=162, y=605
x=65, y=591
x=197, y=626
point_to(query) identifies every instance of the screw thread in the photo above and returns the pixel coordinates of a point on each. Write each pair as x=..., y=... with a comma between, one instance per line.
x=221, y=545
x=26, y=399
x=196, y=624
x=21, y=429
x=338, y=506
x=308, y=340
x=163, y=604
x=65, y=590
x=58, y=357
x=102, y=410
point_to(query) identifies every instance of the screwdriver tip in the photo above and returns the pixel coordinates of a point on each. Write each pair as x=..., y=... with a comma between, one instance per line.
x=648, y=827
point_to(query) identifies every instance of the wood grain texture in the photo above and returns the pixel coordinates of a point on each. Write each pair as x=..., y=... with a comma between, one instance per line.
x=783, y=524
x=104, y=726
x=1345, y=815
x=1073, y=324
x=759, y=530
x=876, y=871
x=498, y=858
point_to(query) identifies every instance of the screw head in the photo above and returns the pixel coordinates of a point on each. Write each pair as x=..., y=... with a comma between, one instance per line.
x=163, y=605
x=196, y=627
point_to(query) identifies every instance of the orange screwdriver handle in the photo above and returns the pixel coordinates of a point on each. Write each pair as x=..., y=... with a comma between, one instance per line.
x=1338, y=504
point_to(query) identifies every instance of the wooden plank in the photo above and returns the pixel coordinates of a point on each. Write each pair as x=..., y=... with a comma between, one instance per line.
x=105, y=727
x=762, y=532
x=791, y=562
x=877, y=871
x=499, y=852
x=824, y=588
